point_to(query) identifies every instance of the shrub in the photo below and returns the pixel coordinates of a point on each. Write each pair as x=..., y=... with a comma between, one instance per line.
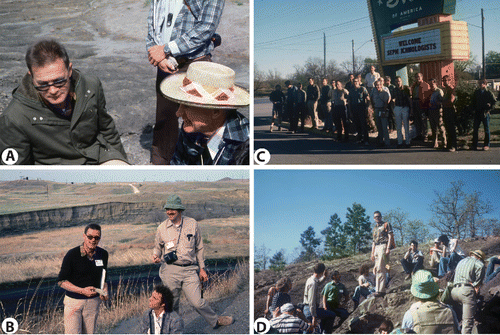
x=465, y=116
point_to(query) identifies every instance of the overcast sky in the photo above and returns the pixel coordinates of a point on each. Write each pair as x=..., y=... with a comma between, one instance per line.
x=342, y=21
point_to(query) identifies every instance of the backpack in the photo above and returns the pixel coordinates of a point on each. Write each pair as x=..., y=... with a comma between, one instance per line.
x=393, y=242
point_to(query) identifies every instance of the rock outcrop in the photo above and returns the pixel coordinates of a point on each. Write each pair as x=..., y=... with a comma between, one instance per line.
x=111, y=212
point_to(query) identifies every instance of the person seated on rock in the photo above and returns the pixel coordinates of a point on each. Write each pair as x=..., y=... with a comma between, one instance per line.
x=336, y=296
x=283, y=286
x=435, y=252
x=428, y=315
x=490, y=270
x=452, y=254
x=288, y=323
x=160, y=318
x=213, y=132
x=366, y=284
x=269, y=298
x=413, y=260
x=312, y=300
x=58, y=115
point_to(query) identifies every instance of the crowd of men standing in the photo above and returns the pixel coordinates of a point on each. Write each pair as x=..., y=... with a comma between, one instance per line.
x=356, y=107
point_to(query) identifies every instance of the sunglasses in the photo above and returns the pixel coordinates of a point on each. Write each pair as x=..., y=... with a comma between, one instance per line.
x=90, y=237
x=58, y=83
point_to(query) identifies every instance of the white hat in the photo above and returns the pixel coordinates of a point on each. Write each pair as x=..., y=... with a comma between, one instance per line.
x=206, y=85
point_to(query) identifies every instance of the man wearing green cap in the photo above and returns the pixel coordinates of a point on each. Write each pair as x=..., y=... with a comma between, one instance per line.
x=428, y=315
x=469, y=276
x=179, y=248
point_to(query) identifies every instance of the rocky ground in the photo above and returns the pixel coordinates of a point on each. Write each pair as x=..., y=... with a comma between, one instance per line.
x=107, y=38
x=368, y=316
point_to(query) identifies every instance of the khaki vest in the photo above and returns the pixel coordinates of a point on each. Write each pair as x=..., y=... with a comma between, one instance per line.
x=433, y=317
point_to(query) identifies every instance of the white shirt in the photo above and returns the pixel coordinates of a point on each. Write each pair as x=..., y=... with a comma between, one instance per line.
x=371, y=78
x=158, y=321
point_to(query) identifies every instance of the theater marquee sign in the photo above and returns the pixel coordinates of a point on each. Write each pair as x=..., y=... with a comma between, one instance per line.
x=440, y=41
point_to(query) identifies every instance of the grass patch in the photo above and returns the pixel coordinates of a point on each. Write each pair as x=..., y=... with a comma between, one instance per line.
x=123, y=304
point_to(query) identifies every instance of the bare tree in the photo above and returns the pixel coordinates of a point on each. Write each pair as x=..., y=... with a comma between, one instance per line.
x=261, y=257
x=457, y=213
x=416, y=230
x=398, y=220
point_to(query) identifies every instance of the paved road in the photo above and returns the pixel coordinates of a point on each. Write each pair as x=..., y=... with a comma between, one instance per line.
x=311, y=149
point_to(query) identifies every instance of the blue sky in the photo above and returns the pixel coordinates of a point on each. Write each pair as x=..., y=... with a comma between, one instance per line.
x=287, y=202
x=88, y=175
x=342, y=22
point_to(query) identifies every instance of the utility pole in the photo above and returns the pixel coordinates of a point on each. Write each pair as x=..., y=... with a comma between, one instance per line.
x=324, y=55
x=353, y=62
x=482, y=28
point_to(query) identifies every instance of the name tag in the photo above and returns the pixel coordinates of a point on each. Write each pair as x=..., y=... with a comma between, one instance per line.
x=98, y=262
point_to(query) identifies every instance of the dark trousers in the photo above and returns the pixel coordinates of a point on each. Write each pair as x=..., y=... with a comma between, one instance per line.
x=485, y=119
x=302, y=114
x=410, y=267
x=340, y=119
x=420, y=120
x=449, y=119
x=359, y=114
x=294, y=118
x=166, y=129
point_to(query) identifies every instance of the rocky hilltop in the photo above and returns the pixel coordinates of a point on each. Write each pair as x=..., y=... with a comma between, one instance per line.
x=368, y=316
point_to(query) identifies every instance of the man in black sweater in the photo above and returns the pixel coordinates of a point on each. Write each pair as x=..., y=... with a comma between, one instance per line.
x=82, y=276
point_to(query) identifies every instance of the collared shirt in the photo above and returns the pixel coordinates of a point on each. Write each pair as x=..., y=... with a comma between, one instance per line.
x=402, y=96
x=339, y=97
x=215, y=141
x=289, y=324
x=380, y=235
x=436, y=99
x=380, y=99
x=312, y=294
x=312, y=92
x=371, y=78
x=413, y=256
x=189, y=245
x=158, y=321
x=409, y=323
x=469, y=270
x=192, y=30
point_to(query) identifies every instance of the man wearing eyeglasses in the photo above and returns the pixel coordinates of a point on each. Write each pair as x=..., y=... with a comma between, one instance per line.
x=382, y=240
x=58, y=115
x=82, y=275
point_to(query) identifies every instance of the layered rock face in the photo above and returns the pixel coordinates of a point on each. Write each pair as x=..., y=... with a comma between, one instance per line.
x=112, y=212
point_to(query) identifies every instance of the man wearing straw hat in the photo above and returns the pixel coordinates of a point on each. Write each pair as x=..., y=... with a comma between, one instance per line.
x=179, y=32
x=213, y=132
x=469, y=275
x=428, y=315
x=179, y=248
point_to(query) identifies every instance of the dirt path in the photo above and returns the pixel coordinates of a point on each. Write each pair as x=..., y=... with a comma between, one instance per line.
x=107, y=38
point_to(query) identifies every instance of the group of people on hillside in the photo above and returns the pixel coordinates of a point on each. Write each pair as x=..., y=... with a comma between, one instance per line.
x=344, y=109
x=429, y=314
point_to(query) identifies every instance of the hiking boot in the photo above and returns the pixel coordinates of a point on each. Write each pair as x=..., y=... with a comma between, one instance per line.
x=224, y=320
x=379, y=294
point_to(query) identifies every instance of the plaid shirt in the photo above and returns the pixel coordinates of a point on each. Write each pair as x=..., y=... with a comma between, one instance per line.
x=193, y=28
x=189, y=152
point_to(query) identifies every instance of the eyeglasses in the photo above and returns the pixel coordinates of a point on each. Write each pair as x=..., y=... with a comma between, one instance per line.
x=90, y=237
x=58, y=83
x=377, y=216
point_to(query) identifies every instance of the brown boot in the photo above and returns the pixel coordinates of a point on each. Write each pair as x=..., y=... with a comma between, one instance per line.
x=224, y=320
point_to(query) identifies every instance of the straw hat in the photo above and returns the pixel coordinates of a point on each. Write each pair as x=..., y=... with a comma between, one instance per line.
x=174, y=202
x=478, y=253
x=423, y=285
x=206, y=85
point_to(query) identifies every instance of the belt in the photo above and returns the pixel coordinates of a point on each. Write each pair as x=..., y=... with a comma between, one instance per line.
x=462, y=284
x=380, y=243
x=183, y=264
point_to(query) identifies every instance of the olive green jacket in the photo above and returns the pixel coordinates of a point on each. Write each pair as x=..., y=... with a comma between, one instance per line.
x=42, y=137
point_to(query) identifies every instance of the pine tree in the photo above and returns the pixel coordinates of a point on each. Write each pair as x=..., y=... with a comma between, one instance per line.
x=358, y=228
x=309, y=244
x=335, y=238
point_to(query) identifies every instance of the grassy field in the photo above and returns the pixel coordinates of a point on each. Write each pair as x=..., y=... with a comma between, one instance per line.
x=39, y=254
